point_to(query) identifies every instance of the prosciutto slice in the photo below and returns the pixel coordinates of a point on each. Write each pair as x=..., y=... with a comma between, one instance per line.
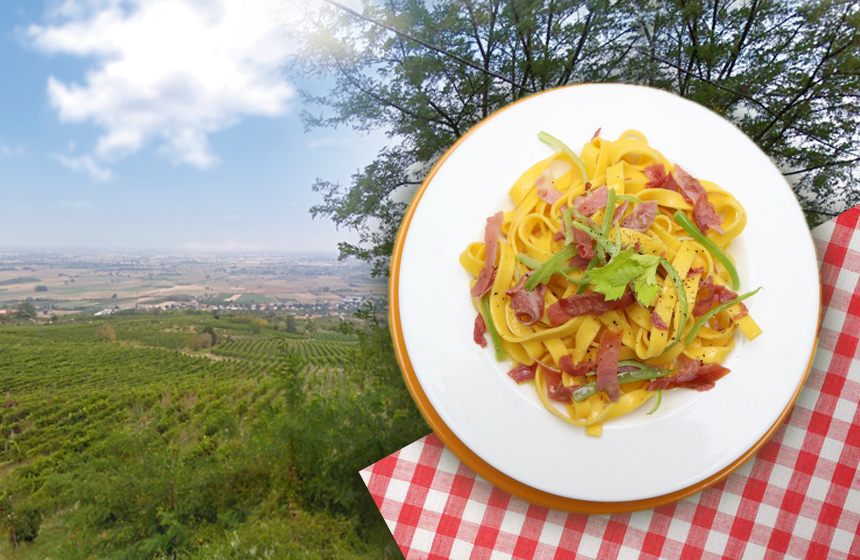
x=592, y=202
x=619, y=211
x=584, y=244
x=527, y=305
x=546, y=190
x=479, y=331
x=642, y=216
x=491, y=241
x=579, y=262
x=704, y=213
x=523, y=372
x=657, y=322
x=714, y=294
x=691, y=374
x=584, y=304
x=659, y=179
x=566, y=365
x=607, y=364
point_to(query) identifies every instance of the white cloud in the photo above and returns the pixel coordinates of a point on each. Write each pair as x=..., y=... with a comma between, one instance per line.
x=85, y=164
x=167, y=71
x=7, y=151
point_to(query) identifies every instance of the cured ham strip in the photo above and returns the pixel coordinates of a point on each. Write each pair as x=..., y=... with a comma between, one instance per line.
x=619, y=211
x=556, y=315
x=479, y=331
x=555, y=389
x=607, y=364
x=546, y=190
x=659, y=179
x=642, y=217
x=523, y=372
x=566, y=365
x=715, y=294
x=560, y=392
x=691, y=374
x=594, y=201
x=657, y=322
x=704, y=213
x=579, y=262
x=706, y=216
x=527, y=305
x=584, y=244
x=546, y=366
x=585, y=304
x=491, y=241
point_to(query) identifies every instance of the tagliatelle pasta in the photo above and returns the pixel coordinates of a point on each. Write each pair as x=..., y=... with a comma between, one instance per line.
x=609, y=282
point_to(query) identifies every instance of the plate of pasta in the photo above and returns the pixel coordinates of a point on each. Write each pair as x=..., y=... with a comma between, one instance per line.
x=604, y=298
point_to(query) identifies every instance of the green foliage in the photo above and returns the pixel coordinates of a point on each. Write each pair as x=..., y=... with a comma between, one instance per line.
x=26, y=310
x=785, y=71
x=22, y=521
x=338, y=430
x=129, y=450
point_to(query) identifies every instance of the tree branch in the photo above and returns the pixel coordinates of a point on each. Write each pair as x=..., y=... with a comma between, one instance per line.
x=434, y=48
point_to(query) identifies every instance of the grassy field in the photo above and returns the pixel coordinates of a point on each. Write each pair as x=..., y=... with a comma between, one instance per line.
x=186, y=435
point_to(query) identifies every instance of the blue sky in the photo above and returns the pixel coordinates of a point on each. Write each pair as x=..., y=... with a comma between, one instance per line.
x=160, y=125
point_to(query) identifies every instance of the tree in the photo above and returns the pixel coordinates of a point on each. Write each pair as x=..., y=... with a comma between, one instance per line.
x=26, y=310
x=785, y=71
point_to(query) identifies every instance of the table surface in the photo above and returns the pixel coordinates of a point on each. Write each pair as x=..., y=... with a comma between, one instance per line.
x=799, y=497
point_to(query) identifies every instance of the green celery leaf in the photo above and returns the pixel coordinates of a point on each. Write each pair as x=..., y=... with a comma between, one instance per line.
x=612, y=278
x=646, y=286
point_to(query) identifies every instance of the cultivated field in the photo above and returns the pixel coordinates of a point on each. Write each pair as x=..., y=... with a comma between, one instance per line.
x=63, y=282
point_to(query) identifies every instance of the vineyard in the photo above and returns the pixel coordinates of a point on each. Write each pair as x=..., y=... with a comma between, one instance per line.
x=128, y=437
x=323, y=348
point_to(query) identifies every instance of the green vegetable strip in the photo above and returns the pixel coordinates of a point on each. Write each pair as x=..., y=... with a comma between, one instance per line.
x=530, y=262
x=554, y=142
x=640, y=365
x=584, y=221
x=657, y=403
x=601, y=240
x=704, y=318
x=491, y=328
x=591, y=264
x=535, y=264
x=610, y=211
x=568, y=226
x=682, y=297
x=712, y=248
x=629, y=198
x=543, y=274
x=644, y=374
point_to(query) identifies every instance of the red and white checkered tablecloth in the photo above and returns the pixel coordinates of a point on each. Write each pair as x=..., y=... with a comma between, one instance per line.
x=799, y=497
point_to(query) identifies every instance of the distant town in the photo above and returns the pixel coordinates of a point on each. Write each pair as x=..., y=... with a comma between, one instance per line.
x=58, y=283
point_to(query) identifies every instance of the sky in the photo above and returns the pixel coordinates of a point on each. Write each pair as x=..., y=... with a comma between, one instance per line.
x=161, y=125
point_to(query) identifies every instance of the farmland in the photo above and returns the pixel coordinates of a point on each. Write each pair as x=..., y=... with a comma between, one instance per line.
x=144, y=435
x=63, y=283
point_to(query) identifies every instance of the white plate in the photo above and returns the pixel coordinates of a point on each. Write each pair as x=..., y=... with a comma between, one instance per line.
x=693, y=435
